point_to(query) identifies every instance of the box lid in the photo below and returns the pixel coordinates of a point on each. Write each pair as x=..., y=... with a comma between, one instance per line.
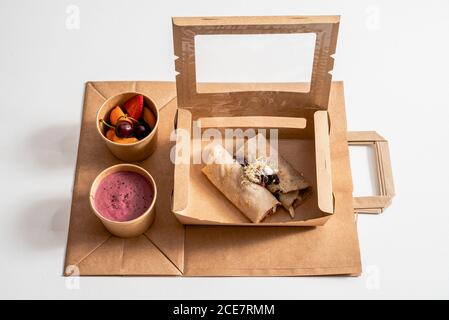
x=252, y=103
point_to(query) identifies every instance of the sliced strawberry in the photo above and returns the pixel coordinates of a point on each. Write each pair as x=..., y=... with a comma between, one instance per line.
x=134, y=106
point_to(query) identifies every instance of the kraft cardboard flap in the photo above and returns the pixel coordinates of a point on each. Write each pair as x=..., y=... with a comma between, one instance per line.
x=253, y=103
x=90, y=247
x=161, y=92
x=134, y=256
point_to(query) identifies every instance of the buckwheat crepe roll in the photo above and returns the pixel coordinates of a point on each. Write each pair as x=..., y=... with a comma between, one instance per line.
x=253, y=200
x=292, y=189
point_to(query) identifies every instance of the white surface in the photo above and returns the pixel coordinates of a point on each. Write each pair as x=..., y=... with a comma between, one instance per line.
x=393, y=58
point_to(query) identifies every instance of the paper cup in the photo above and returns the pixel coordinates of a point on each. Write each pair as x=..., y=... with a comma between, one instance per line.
x=131, y=228
x=132, y=152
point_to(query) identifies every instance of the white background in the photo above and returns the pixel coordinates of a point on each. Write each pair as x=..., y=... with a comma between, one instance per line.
x=393, y=57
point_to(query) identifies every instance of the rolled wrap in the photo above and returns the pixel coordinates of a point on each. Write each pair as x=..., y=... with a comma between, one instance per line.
x=253, y=200
x=292, y=189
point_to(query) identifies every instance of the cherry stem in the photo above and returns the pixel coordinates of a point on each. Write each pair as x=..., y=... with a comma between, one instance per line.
x=106, y=124
x=128, y=117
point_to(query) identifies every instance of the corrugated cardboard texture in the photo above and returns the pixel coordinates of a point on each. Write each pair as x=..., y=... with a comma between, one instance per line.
x=169, y=249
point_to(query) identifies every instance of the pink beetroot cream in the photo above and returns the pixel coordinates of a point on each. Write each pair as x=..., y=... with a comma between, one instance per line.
x=123, y=196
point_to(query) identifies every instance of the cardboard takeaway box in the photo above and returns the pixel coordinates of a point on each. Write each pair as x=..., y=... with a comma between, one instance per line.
x=301, y=118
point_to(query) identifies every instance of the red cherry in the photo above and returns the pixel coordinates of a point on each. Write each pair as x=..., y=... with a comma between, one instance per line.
x=124, y=129
x=141, y=131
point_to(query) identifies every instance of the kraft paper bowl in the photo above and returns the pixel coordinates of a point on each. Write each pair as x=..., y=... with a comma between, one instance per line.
x=132, y=152
x=131, y=228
